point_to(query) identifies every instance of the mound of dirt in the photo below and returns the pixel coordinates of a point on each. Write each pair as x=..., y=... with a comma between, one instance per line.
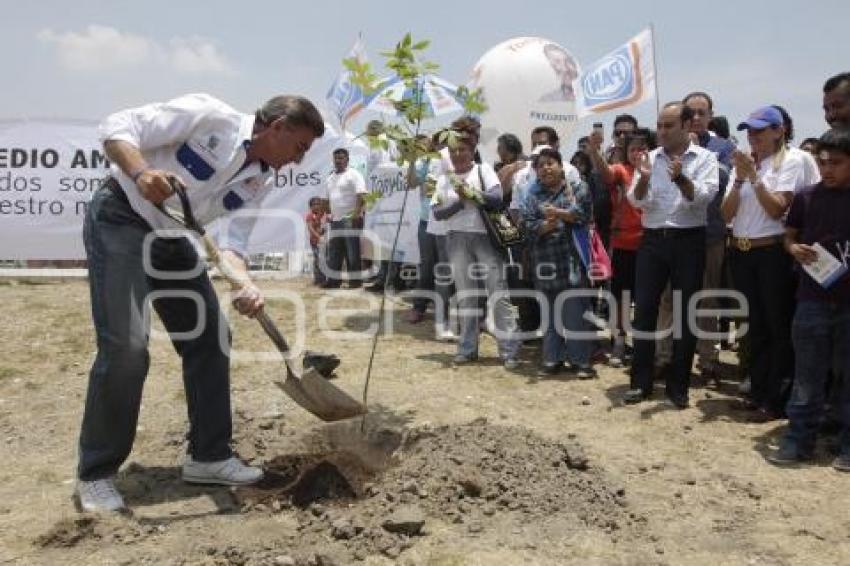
x=476, y=474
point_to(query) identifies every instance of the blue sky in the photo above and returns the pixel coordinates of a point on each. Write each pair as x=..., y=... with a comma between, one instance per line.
x=87, y=59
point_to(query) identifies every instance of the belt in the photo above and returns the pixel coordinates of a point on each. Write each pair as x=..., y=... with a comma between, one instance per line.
x=114, y=187
x=746, y=244
x=674, y=232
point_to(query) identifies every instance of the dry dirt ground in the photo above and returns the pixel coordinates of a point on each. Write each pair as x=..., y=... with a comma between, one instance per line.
x=473, y=465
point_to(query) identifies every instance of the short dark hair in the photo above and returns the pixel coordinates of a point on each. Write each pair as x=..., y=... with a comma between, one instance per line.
x=643, y=134
x=340, y=151
x=468, y=127
x=720, y=126
x=835, y=140
x=297, y=111
x=467, y=123
x=686, y=113
x=809, y=140
x=625, y=118
x=699, y=94
x=550, y=132
x=584, y=158
x=834, y=82
x=582, y=140
x=511, y=143
x=549, y=152
x=314, y=200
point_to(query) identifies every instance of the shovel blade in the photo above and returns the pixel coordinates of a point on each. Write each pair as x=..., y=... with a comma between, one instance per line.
x=320, y=397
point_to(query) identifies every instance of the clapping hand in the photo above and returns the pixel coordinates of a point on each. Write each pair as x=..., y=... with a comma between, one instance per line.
x=745, y=166
x=675, y=168
x=644, y=165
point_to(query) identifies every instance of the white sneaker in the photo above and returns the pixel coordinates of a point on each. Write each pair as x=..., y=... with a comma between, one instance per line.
x=446, y=335
x=224, y=472
x=98, y=496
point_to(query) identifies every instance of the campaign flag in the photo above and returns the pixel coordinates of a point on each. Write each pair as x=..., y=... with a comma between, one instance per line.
x=624, y=77
x=346, y=99
x=438, y=95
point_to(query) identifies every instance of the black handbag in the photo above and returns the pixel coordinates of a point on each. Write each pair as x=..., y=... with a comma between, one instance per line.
x=501, y=228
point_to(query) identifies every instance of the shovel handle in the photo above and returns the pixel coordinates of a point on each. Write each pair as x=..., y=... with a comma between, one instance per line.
x=273, y=333
x=238, y=280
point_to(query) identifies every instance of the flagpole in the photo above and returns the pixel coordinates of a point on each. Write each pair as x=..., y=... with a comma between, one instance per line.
x=655, y=69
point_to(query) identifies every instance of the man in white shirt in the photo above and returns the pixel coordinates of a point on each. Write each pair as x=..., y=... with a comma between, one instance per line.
x=225, y=159
x=344, y=190
x=673, y=187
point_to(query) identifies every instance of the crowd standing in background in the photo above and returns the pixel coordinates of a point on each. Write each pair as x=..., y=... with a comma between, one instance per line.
x=686, y=217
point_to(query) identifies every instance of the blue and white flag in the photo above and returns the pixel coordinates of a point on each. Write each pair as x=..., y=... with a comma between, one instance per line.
x=624, y=77
x=438, y=95
x=346, y=99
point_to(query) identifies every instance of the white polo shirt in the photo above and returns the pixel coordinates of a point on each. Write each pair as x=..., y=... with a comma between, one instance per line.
x=204, y=142
x=751, y=220
x=342, y=190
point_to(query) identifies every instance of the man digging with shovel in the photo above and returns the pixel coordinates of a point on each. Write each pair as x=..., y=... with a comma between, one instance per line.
x=225, y=159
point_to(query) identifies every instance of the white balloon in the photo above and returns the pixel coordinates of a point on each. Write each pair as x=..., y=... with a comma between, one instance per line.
x=526, y=82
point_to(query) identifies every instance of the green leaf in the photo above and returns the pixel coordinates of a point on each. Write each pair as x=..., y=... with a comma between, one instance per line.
x=422, y=45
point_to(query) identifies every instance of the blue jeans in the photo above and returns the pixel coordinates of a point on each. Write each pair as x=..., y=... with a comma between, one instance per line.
x=558, y=349
x=821, y=335
x=472, y=249
x=318, y=276
x=120, y=288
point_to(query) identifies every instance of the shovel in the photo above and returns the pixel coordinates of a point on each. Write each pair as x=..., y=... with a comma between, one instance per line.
x=310, y=390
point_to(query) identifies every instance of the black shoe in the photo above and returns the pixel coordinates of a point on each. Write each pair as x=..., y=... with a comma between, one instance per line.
x=633, y=396
x=323, y=363
x=550, y=369
x=788, y=455
x=355, y=284
x=678, y=401
x=374, y=288
x=329, y=285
